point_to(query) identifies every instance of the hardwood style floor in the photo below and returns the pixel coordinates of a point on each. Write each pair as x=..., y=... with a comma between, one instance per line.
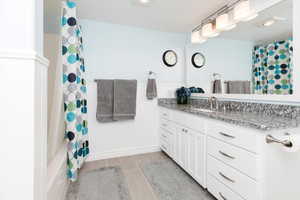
x=139, y=187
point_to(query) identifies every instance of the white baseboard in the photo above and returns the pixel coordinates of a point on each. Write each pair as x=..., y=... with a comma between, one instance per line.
x=122, y=152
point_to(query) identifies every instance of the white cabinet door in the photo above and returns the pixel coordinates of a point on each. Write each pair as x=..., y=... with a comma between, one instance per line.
x=183, y=149
x=178, y=154
x=172, y=144
x=200, y=158
x=191, y=151
x=177, y=145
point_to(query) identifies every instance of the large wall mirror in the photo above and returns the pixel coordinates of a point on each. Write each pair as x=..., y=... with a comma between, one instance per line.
x=255, y=58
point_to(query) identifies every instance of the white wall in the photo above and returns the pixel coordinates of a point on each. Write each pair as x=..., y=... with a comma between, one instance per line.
x=230, y=58
x=116, y=51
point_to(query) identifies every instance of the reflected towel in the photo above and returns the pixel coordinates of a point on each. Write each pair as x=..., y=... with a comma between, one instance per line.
x=151, y=91
x=238, y=87
x=217, y=87
x=105, y=97
x=124, y=99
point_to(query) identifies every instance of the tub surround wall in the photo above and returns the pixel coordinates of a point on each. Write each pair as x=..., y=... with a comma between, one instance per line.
x=255, y=115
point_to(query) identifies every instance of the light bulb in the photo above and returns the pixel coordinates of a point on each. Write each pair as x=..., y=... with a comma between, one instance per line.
x=208, y=30
x=196, y=38
x=243, y=12
x=223, y=23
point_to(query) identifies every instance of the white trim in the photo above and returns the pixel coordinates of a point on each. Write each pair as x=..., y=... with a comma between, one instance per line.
x=24, y=55
x=122, y=152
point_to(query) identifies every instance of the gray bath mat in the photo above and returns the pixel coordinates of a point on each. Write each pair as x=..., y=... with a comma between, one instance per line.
x=103, y=184
x=170, y=182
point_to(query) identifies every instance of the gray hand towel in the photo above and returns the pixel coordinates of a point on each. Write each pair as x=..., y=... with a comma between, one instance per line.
x=151, y=91
x=124, y=99
x=238, y=87
x=217, y=87
x=105, y=97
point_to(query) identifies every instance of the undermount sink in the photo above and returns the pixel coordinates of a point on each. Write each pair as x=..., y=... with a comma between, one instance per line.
x=202, y=110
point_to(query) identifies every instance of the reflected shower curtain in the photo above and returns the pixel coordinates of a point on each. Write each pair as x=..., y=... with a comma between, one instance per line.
x=273, y=67
x=74, y=86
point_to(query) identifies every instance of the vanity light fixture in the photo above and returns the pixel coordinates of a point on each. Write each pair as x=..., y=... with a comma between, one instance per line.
x=197, y=38
x=209, y=30
x=224, y=19
x=243, y=11
x=223, y=23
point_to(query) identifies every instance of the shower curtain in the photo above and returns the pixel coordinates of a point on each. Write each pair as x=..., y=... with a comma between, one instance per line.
x=273, y=67
x=74, y=86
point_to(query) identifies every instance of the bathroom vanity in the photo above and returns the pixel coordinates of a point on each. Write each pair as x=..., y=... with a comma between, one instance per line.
x=226, y=151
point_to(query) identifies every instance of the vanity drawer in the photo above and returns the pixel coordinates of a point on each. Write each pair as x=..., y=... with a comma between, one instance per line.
x=219, y=190
x=166, y=135
x=165, y=146
x=235, y=135
x=239, y=183
x=238, y=158
x=169, y=126
x=164, y=113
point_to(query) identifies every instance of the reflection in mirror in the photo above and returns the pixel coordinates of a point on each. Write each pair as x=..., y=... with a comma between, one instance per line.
x=254, y=58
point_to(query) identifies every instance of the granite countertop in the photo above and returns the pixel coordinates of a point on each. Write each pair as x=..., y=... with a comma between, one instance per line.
x=251, y=120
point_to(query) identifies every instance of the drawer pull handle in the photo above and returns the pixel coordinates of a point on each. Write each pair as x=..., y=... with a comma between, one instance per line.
x=222, y=196
x=164, y=136
x=225, y=177
x=226, y=135
x=226, y=155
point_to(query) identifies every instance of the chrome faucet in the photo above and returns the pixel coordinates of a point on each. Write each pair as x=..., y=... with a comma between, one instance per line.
x=214, y=104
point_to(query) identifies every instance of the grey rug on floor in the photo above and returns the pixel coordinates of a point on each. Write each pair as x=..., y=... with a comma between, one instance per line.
x=170, y=182
x=103, y=184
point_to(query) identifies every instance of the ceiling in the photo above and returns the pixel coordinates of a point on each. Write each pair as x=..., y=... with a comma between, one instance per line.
x=256, y=32
x=172, y=16
x=163, y=15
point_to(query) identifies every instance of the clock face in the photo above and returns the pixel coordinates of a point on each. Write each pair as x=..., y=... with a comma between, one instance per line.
x=198, y=60
x=170, y=58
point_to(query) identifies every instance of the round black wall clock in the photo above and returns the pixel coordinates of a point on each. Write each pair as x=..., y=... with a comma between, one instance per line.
x=170, y=58
x=198, y=60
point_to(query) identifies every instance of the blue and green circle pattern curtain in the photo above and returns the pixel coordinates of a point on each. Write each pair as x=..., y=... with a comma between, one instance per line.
x=74, y=86
x=273, y=67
